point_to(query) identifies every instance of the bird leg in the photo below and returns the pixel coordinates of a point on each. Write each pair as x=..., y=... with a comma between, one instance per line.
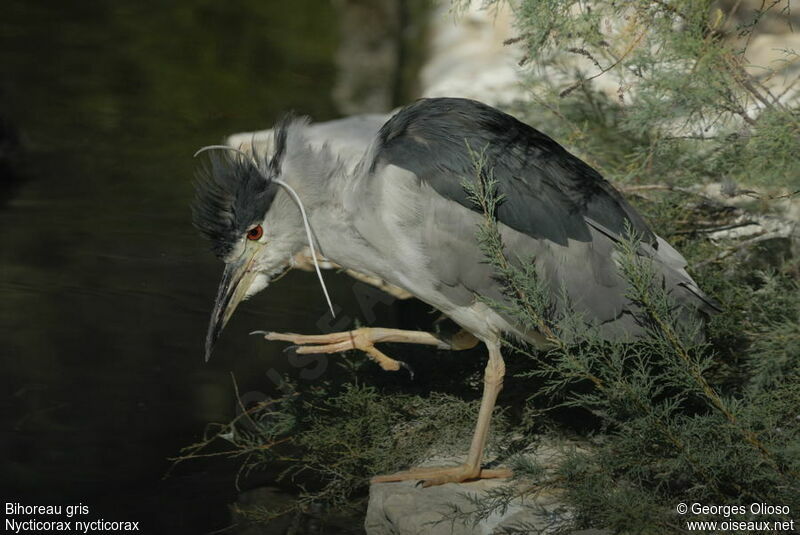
x=365, y=339
x=471, y=469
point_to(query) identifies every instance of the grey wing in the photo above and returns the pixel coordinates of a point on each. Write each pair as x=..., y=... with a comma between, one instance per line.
x=556, y=210
x=582, y=278
x=547, y=191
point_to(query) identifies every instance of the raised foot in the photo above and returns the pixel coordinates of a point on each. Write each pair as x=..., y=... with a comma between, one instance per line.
x=363, y=339
x=439, y=475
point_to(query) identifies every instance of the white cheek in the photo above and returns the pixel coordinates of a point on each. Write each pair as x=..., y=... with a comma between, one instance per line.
x=260, y=282
x=237, y=251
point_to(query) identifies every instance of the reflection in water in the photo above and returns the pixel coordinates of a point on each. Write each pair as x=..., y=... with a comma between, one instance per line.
x=106, y=288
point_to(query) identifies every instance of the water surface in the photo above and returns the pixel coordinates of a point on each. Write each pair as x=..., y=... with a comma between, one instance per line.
x=106, y=288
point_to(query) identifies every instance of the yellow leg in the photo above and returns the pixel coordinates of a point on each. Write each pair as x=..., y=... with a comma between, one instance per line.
x=365, y=339
x=471, y=469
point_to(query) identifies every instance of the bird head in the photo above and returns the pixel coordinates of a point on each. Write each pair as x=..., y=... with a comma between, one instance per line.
x=254, y=226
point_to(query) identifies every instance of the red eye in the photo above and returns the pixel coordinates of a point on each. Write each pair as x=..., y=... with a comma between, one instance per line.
x=255, y=233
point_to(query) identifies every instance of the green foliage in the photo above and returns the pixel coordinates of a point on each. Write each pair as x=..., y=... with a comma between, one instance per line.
x=331, y=439
x=679, y=420
x=661, y=88
x=779, y=339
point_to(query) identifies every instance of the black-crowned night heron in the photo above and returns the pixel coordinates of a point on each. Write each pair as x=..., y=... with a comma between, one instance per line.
x=401, y=218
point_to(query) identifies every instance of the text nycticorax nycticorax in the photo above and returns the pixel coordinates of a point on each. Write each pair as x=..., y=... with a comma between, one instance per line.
x=400, y=218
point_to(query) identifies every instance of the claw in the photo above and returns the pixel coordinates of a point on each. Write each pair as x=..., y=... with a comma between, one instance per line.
x=362, y=339
x=408, y=368
x=263, y=333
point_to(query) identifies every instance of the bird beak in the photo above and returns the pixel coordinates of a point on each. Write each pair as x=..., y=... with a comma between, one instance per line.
x=236, y=280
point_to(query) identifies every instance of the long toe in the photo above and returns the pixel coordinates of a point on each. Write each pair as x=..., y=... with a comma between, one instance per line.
x=301, y=339
x=407, y=475
x=431, y=476
x=362, y=339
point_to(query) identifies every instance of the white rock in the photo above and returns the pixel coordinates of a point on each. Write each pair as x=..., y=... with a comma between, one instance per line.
x=404, y=508
x=467, y=55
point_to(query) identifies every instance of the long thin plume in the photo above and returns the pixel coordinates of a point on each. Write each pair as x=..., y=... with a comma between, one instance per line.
x=310, y=236
x=226, y=147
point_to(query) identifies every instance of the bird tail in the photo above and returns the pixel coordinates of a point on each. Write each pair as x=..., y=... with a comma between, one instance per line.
x=668, y=256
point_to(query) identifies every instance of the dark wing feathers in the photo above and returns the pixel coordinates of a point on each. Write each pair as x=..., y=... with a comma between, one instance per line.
x=548, y=192
x=562, y=207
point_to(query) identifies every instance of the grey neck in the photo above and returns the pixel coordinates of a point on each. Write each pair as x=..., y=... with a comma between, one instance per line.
x=336, y=225
x=332, y=197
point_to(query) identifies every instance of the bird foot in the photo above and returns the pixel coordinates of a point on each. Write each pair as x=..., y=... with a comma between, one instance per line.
x=439, y=475
x=363, y=339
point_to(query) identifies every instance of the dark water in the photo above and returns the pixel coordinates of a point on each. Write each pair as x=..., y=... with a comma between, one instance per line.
x=105, y=286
